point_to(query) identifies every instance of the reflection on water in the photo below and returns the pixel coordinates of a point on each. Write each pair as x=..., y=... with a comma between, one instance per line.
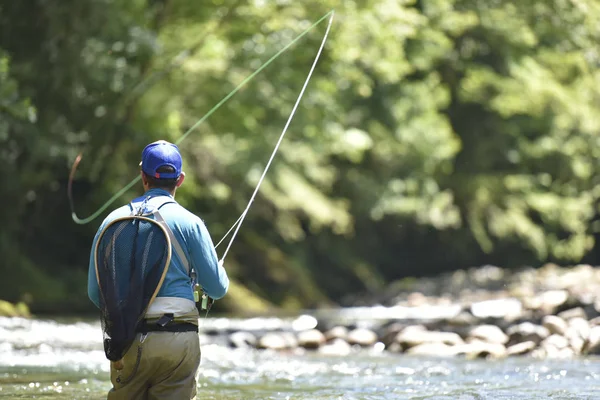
x=46, y=359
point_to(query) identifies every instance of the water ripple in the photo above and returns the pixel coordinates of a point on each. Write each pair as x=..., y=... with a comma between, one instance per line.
x=66, y=361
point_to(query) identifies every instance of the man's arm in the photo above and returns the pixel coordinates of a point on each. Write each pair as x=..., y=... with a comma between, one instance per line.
x=211, y=276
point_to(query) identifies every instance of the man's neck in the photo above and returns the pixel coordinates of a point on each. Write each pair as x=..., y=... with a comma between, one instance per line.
x=160, y=189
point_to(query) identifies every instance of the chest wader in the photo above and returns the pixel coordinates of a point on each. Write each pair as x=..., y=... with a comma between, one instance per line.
x=132, y=257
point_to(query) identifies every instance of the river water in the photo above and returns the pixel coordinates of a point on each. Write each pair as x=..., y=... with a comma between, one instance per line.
x=59, y=359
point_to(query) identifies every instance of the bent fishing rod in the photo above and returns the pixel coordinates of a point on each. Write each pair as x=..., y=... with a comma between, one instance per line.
x=238, y=223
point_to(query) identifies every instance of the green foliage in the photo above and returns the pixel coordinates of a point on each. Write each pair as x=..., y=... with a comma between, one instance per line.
x=434, y=134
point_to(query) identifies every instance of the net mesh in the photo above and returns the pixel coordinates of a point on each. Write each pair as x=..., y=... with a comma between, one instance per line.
x=132, y=256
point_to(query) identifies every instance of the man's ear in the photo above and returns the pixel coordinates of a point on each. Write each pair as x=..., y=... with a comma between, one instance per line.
x=180, y=179
x=143, y=177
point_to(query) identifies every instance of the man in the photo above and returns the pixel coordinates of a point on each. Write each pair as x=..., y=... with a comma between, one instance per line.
x=166, y=368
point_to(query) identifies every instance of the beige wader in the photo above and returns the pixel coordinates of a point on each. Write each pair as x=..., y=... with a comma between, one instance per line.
x=167, y=368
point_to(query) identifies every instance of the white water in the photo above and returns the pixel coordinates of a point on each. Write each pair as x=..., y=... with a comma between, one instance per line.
x=61, y=360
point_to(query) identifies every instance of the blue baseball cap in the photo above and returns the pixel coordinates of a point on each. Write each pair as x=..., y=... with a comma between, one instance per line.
x=159, y=154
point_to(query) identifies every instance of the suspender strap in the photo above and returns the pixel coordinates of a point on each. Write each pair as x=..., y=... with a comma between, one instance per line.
x=174, y=241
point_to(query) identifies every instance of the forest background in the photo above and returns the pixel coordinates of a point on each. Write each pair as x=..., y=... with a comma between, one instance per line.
x=434, y=135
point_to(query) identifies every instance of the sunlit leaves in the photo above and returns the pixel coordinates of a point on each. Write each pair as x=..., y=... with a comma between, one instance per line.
x=540, y=92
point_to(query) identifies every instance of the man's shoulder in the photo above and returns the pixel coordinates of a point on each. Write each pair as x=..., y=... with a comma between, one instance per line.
x=180, y=214
x=122, y=211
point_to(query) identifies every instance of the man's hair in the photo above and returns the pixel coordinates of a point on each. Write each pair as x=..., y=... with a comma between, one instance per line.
x=166, y=184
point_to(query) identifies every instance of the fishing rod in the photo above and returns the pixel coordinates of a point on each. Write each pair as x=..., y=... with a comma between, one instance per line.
x=238, y=223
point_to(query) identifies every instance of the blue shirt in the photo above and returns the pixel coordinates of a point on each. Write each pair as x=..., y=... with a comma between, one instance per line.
x=193, y=236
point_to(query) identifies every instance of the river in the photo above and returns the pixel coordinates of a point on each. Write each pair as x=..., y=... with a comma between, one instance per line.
x=63, y=359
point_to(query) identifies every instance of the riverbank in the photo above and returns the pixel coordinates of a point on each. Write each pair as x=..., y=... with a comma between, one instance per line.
x=486, y=312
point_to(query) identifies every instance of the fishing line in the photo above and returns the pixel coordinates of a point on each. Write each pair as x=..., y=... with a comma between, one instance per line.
x=83, y=221
x=238, y=223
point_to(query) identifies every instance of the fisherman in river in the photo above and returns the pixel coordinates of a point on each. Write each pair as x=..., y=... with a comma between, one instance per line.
x=150, y=260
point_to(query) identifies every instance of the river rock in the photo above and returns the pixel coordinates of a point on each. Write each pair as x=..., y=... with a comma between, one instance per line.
x=337, y=332
x=336, y=347
x=576, y=343
x=577, y=334
x=416, y=299
x=576, y=312
x=311, y=339
x=305, y=323
x=592, y=345
x=242, y=340
x=290, y=340
x=555, y=342
x=565, y=353
x=479, y=349
x=578, y=327
x=527, y=331
x=390, y=333
x=414, y=336
x=432, y=349
x=552, y=353
x=362, y=337
x=521, y=348
x=555, y=324
x=551, y=300
x=277, y=341
x=394, y=347
x=507, y=309
x=489, y=334
x=584, y=298
x=597, y=305
x=464, y=318
x=595, y=322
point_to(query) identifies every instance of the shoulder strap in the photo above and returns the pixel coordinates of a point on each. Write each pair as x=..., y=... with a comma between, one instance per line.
x=174, y=241
x=156, y=203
